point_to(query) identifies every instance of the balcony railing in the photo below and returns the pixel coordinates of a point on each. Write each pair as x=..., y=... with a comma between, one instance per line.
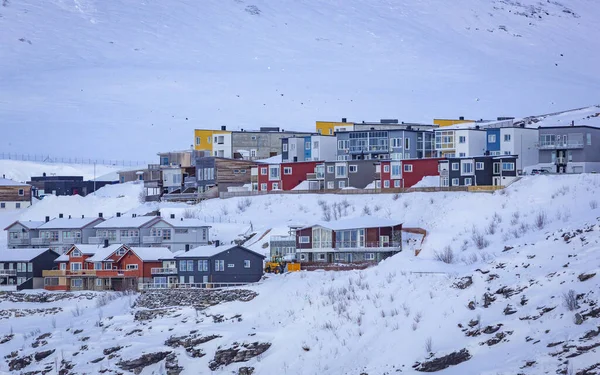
x=41, y=241
x=283, y=238
x=92, y=273
x=343, y=246
x=152, y=239
x=100, y=240
x=163, y=271
x=315, y=176
x=12, y=272
x=19, y=241
x=146, y=286
x=570, y=145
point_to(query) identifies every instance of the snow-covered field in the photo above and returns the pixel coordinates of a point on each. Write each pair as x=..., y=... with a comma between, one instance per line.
x=23, y=170
x=133, y=77
x=378, y=321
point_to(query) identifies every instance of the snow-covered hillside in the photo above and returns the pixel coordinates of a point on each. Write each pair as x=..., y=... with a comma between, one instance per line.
x=505, y=298
x=107, y=73
x=23, y=170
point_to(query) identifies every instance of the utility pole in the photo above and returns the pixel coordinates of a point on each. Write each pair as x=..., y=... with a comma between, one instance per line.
x=94, y=177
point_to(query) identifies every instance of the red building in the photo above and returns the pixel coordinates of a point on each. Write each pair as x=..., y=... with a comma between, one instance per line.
x=115, y=267
x=406, y=173
x=284, y=176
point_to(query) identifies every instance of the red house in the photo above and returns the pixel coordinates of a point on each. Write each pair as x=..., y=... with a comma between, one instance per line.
x=284, y=176
x=115, y=267
x=406, y=173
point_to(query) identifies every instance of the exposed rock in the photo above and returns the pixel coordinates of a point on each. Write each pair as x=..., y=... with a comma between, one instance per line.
x=586, y=276
x=138, y=364
x=594, y=313
x=464, y=282
x=43, y=297
x=246, y=371
x=509, y=292
x=189, y=342
x=172, y=365
x=238, y=353
x=41, y=355
x=112, y=350
x=488, y=299
x=492, y=329
x=20, y=363
x=591, y=334
x=473, y=322
x=578, y=319
x=523, y=300
x=553, y=344
x=77, y=331
x=97, y=360
x=509, y=310
x=507, y=248
x=198, y=298
x=471, y=305
x=137, y=330
x=528, y=364
x=152, y=314
x=438, y=364
x=6, y=338
x=496, y=339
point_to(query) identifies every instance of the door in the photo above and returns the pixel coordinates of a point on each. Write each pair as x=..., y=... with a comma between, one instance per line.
x=330, y=257
x=204, y=279
x=497, y=181
x=349, y=257
x=191, y=279
x=182, y=279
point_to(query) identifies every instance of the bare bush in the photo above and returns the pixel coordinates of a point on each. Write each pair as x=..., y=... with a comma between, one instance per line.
x=326, y=211
x=243, y=204
x=479, y=239
x=396, y=196
x=77, y=311
x=417, y=317
x=190, y=213
x=570, y=300
x=497, y=218
x=593, y=204
x=523, y=228
x=405, y=204
x=515, y=218
x=491, y=228
x=142, y=196
x=366, y=210
x=563, y=190
x=472, y=258
x=446, y=255
x=429, y=345
x=376, y=208
x=224, y=210
x=541, y=220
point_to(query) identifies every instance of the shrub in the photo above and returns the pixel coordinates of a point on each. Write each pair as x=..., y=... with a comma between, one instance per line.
x=189, y=213
x=366, y=210
x=77, y=311
x=396, y=196
x=142, y=196
x=405, y=204
x=515, y=218
x=429, y=345
x=446, y=256
x=479, y=240
x=541, y=220
x=570, y=300
x=224, y=210
x=491, y=229
x=593, y=204
x=243, y=204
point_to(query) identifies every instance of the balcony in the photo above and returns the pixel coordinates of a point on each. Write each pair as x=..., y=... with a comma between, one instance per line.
x=100, y=240
x=368, y=246
x=560, y=161
x=151, y=184
x=19, y=241
x=315, y=176
x=152, y=239
x=41, y=241
x=163, y=271
x=283, y=238
x=4, y=273
x=570, y=145
x=66, y=273
x=91, y=273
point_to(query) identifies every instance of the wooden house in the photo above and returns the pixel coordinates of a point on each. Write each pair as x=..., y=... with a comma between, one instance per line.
x=14, y=195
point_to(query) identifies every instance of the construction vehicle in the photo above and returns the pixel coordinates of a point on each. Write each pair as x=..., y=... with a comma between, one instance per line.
x=278, y=265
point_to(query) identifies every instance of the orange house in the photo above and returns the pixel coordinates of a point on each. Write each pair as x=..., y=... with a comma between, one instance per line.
x=95, y=267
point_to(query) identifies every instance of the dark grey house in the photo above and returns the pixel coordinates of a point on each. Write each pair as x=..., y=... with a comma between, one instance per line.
x=344, y=174
x=569, y=149
x=219, y=264
x=22, y=268
x=478, y=171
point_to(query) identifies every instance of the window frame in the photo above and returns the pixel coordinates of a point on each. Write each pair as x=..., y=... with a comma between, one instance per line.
x=304, y=239
x=408, y=168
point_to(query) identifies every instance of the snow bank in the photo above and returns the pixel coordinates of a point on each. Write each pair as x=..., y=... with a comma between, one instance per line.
x=428, y=181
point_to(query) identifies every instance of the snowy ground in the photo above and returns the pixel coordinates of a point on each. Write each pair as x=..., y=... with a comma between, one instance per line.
x=322, y=322
x=23, y=170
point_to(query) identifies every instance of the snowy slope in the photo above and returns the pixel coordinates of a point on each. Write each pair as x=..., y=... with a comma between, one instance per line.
x=24, y=170
x=379, y=321
x=109, y=71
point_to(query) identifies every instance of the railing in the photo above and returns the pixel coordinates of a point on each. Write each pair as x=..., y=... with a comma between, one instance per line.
x=100, y=240
x=152, y=239
x=163, y=271
x=151, y=286
x=12, y=272
x=283, y=238
x=344, y=246
x=97, y=273
x=151, y=184
x=19, y=241
x=42, y=241
x=560, y=161
x=561, y=145
x=231, y=194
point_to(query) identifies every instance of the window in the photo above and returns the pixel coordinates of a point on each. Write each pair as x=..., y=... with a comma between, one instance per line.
x=479, y=166
x=343, y=145
x=353, y=168
x=275, y=185
x=284, y=147
x=330, y=185
x=287, y=170
x=340, y=171
x=97, y=265
x=63, y=266
x=219, y=265
x=21, y=192
x=407, y=143
x=20, y=267
x=197, y=140
x=51, y=281
x=98, y=282
x=506, y=137
x=467, y=167
x=246, y=263
x=129, y=233
x=386, y=184
x=369, y=256
x=408, y=168
x=462, y=139
x=468, y=181
x=386, y=168
x=120, y=252
x=330, y=169
x=341, y=184
x=203, y=265
x=494, y=153
x=76, y=266
x=397, y=142
x=455, y=166
x=76, y=283
x=208, y=139
x=508, y=166
x=263, y=171
x=397, y=183
x=321, y=256
x=507, y=152
x=330, y=131
x=492, y=138
x=378, y=184
x=131, y=266
x=182, y=266
x=396, y=170
x=589, y=139
x=455, y=182
x=274, y=172
x=316, y=144
x=307, y=145
x=107, y=266
x=263, y=187
x=17, y=205
x=304, y=239
x=189, y=265
x=496, y=168
x=462, y=154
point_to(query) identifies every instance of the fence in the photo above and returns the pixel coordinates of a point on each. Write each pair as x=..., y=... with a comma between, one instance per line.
x=153, y=286
x=232, y=194
x=69, y=160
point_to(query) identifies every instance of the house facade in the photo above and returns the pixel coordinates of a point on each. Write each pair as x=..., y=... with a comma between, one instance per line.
x=309, y=148
x=350, y=240
x=61, y=233
x=358, y=174
x=112, y=267
x=14, y=195
x=284, y=245
x=460, y=141
x=65, y=185
x=514, y=140
x=284, y=176
x=219, y=264
x=222, y=174
x=23, y=268
x=406, y=173
x=478, y=171
x=20, y=233
x=396, y=144
x=569, y=149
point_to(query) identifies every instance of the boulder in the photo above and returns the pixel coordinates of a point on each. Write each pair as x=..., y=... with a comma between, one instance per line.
x=138, y=364
x=441, y=363
x=246, y=371
x=20, y=363
x=586, y=276
x=41, y=355
x=238, y=353
x=464, y=282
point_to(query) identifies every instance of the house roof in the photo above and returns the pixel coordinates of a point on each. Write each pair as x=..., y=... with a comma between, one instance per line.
x=186, y=223
x=149, y=254
x=103, y=252
x=209, y=251
x=8, y=182
x=21, y=255
x=356, y=223
x=127, y=222
x=66, y=223
x=27, y=224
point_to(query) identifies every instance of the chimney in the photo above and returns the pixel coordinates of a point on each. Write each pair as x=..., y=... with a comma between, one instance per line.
x=187, y=248
x=44, y=174
x=172, y=216
x=181, y=219
x=217, y=243
x=106, y=242
x=118, y=214
x=100, y=214
x=47, y=219
x=60, y=216
x=573, y=123
x=69, y=216
x=223, y=127
x=83, y=216
x=344, y=119
x=462, y=118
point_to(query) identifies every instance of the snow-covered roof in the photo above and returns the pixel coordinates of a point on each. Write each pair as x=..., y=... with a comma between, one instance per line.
x=62, y=258
x=21, y=255
x=127, y=222
x=27, y=224
x=8, y=182
x=66, y=223
x=187, y=223
x=209, y=251
x=356, y=223
x=89, y=249
x=102, y=253
x=148, y=254
x=272, y=160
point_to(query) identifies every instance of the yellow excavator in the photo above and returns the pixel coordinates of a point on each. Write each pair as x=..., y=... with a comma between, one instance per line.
x=278, y=265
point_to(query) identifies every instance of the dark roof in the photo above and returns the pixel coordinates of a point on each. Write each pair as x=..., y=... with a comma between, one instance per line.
x=568, y=127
